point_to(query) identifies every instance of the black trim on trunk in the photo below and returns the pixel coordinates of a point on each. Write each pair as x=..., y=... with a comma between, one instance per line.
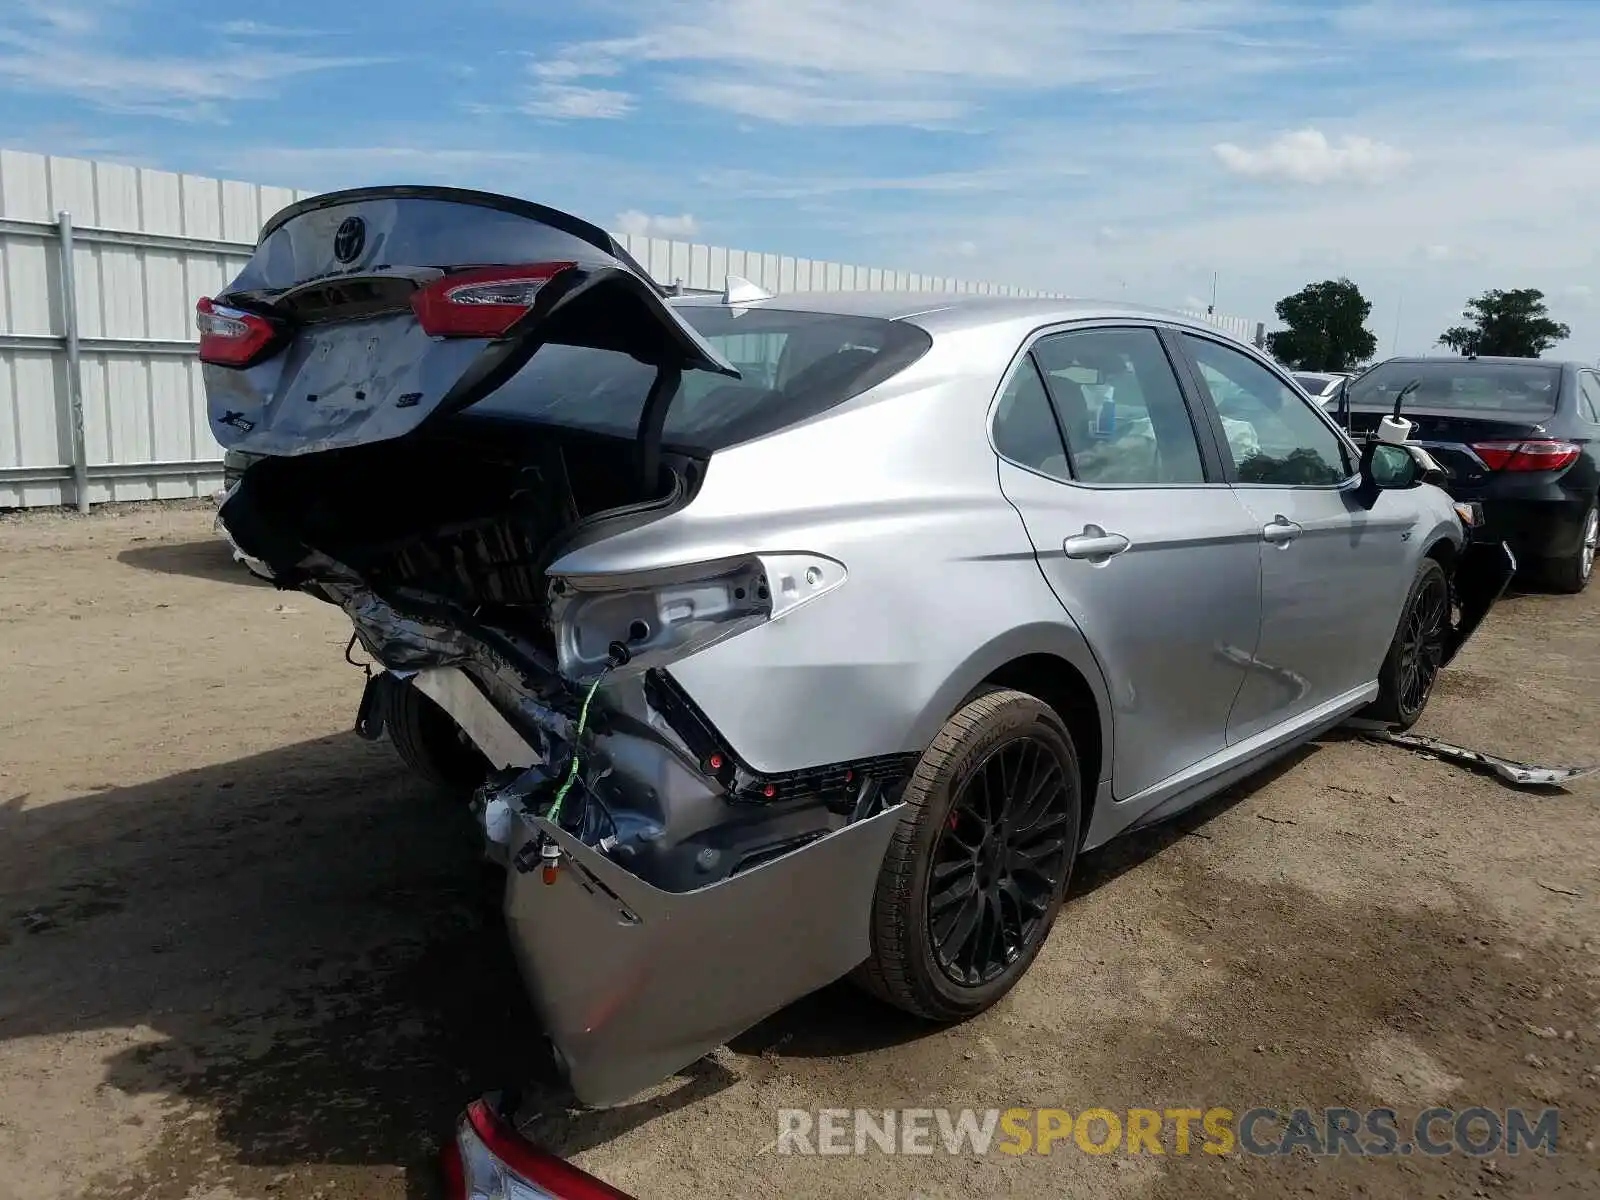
x=577, y=227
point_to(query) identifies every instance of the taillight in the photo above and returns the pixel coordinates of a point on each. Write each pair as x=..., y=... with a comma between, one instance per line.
x=491, y=1159
x=481, y=303
x=1540, y=454
x=230, y=337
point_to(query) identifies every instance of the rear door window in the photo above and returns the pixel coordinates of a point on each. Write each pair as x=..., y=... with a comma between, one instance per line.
x=1274, y=435
x=794, y=365
x=1025, y=428
x=1120, y=407
x=1589, y=396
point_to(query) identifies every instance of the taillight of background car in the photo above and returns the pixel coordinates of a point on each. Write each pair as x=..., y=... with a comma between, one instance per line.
x=1541, y=454
x=481, y=303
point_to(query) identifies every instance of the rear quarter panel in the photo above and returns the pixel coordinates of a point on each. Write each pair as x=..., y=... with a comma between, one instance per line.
x=901, y=486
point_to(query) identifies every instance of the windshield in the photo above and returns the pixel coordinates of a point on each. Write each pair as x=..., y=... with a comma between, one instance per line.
x=794, y=365
x=1312, y=383
x=1463, y=384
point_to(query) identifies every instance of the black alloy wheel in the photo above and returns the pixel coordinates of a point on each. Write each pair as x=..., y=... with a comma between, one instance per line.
x=1422, y=643
x=980, y=859
x=1000, y=861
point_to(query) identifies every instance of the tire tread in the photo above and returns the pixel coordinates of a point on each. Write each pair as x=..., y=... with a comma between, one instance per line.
x=887, y=972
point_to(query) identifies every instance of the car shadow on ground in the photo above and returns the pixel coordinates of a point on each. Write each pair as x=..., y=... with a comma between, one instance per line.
x=841, y=1020
x=312, y=946
x=208, y=559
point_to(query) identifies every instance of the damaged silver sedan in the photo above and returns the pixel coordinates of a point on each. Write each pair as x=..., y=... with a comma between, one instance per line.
x=781, y=639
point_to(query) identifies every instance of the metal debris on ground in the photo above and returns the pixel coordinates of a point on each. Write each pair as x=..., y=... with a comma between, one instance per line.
x=1518, y=774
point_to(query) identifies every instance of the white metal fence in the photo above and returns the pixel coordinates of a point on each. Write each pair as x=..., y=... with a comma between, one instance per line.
x=100, y=264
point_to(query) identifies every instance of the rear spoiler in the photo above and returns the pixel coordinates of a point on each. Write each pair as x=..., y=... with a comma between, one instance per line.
x=567, y=223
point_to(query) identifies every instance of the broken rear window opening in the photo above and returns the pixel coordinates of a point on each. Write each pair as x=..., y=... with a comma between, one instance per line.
x=794, y=365
x=1466, y=386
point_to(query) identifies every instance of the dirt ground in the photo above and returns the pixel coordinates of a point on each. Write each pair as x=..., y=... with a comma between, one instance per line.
x=242, y=955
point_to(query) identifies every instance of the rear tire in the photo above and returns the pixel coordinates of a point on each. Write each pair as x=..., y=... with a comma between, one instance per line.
x=979, y=864
x=1571, y=575
x=1411, y=667
x=430, y=742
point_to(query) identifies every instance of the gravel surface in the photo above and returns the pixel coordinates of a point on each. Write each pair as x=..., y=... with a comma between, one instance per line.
x=243, y=955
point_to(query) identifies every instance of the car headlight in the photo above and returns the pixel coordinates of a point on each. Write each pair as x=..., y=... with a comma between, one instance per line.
x=660, y=616
x=1470, y=512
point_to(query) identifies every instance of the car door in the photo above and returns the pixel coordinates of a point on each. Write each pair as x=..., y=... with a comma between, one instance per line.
x=1333, y=574
x=1138, y=534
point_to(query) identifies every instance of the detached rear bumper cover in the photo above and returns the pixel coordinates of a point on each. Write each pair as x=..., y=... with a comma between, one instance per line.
x=633, y=983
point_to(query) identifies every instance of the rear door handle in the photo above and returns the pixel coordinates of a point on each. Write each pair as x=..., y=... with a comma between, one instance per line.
x=1281, y=531
x=1094, y=544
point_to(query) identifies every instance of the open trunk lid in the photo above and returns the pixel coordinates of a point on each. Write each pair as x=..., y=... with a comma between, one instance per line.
x=363, y=314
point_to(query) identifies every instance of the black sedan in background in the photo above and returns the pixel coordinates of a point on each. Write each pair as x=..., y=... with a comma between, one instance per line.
x=1521, y=435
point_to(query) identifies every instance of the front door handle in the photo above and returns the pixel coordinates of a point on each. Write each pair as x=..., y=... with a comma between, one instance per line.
x=1281, y=531
x=1094, y=544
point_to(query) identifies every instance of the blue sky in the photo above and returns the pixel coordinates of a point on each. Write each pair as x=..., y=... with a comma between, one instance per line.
x=1429, y=149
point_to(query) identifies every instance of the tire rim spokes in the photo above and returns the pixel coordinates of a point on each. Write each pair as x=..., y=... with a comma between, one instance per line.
x=1422, y=644
x=999, y=861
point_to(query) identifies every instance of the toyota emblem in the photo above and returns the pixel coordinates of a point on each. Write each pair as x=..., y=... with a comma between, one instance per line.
x=349, y=240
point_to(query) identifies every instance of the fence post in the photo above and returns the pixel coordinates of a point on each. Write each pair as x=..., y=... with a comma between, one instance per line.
x=69, y=320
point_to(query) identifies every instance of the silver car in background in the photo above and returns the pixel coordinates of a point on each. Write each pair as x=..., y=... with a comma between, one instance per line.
x=788, y=638
x=1321, y=386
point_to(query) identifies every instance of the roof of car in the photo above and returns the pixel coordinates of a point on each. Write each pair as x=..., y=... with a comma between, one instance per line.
x=1493, y=360
x=937, y=311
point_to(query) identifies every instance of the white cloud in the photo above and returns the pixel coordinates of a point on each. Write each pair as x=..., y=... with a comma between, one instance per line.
x=580, y=61
x=558, y=95
x=1307, y=156
x=839, y=63
x=570, y=102
x=638, y=224
x=1441, y=254
x=75, y=55
x=259, y=29
x=800, y=103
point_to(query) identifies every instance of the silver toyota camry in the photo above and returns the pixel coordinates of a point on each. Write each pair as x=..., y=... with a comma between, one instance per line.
x=783, y=638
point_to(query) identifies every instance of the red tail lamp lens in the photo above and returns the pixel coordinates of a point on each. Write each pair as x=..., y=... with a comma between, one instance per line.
x=231, y=337
x=481, y=303
x=1541, y=454
x=488, y=1154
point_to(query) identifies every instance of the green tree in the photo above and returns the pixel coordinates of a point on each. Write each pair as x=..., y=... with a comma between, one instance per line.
x=1327, y=328
x=1515, y=324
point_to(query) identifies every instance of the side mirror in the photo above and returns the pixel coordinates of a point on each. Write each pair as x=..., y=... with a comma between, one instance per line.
x=1388, y=467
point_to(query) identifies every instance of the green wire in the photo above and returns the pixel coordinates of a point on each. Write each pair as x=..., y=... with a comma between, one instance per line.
x=572, y=774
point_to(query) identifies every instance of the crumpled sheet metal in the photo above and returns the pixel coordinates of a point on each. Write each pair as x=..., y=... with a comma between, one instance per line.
x=1518, y=774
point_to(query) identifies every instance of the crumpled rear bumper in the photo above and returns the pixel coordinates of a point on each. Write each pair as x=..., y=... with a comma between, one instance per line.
x=633, y=983
x=1483, y=570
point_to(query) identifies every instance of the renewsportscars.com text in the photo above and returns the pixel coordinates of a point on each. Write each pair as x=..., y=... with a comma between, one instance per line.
x=1261, y=1132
